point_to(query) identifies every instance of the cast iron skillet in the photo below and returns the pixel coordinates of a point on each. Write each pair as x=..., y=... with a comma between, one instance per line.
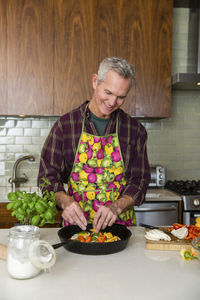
x=93, y=248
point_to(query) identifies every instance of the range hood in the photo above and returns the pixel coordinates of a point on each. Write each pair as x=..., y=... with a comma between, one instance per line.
x=189, y=81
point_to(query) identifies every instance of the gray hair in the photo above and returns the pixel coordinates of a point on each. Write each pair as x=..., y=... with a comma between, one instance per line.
x=117, y=64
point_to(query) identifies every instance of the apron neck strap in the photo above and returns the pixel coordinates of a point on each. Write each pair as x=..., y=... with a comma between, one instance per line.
x=83, y=123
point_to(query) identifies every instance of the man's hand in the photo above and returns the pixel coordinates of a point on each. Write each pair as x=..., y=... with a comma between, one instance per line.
x=105, y=216
x=72, y=212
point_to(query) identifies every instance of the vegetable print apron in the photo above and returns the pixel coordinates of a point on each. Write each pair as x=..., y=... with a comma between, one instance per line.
x=98, y=177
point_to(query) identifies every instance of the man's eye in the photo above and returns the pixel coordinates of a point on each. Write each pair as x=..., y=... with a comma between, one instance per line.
x=108, y=92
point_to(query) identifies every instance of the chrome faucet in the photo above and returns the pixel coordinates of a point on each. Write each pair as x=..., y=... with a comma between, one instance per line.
x=14, y=180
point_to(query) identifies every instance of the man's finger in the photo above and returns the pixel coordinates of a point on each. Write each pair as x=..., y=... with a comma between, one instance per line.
x=81, y=222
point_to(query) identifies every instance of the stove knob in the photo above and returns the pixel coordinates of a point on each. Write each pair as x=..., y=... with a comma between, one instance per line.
x=196, y=202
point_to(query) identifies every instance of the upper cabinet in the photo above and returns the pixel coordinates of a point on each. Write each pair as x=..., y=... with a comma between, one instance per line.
x=30, y=57
x=153, y=42
x=85, y=33
x=51, y=48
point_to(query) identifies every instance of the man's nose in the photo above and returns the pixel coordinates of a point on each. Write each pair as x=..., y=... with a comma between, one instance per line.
x=113, y=100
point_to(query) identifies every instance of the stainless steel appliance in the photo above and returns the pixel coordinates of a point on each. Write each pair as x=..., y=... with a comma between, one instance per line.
x=157, y=213
x=157, y=176
x=190, y=193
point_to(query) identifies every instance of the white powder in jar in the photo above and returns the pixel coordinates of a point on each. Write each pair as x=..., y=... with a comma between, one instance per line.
x=21, y=269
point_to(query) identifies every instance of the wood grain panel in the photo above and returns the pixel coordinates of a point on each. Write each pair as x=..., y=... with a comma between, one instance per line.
x=115, y=36
x=153, y=37
x=30, y=56
x=85, y=33
x=75, y=57
x=3, y=59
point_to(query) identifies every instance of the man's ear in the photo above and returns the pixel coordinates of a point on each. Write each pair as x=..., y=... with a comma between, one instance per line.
x=94, y=81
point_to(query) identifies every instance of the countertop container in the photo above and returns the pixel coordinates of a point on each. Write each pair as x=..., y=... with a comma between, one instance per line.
x=18, y=261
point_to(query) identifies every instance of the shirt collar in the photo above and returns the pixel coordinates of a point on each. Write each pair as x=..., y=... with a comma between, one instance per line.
x=85, y=112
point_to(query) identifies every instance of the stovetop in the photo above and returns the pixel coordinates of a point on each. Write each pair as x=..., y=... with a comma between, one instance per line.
x=184, y=187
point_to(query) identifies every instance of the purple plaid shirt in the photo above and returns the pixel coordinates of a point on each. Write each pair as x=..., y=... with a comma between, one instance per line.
x=59, y=150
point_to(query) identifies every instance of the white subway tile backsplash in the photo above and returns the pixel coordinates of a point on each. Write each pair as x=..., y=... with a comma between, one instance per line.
x=44, y=132
x=31, y=132
x=2, y=147
x=32, y=148
x=43, y=123
x=7, y=140
x=15, y=132
x=23, y=123
x=2, y=131
x=38, y=140
x=23, y=140
x=6, y=123
x=14, y=148
x=2, y=168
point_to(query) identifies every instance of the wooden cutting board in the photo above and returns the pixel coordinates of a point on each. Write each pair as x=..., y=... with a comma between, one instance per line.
x=174, y=245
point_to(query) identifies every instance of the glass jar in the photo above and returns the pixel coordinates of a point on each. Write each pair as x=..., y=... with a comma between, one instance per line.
x=18, y=262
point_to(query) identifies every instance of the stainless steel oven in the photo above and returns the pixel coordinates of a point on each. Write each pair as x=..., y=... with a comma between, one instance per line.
x=190, y=193
x=157, y=213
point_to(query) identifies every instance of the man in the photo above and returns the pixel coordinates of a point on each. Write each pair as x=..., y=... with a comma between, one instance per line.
x=100, y=152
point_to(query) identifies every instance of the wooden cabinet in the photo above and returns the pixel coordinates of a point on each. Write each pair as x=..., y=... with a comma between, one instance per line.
x=54, y=47
x=3, y=56
x=85, y=33
x=138, y=30
x=153, y=39
x=30, y=57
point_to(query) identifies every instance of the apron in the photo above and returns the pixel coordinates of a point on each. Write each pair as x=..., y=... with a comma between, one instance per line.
x=98, y=175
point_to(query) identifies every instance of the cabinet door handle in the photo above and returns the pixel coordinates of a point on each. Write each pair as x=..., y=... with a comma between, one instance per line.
x=171, y=208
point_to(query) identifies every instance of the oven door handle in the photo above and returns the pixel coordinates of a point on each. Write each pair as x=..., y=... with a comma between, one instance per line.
x=149, y=209
x=196, y=215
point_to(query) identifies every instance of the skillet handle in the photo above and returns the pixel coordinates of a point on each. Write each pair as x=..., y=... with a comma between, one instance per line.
x=56, y=246
x=68, y=242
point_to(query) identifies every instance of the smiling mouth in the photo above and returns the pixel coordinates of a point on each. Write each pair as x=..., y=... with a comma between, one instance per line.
x=108, y=107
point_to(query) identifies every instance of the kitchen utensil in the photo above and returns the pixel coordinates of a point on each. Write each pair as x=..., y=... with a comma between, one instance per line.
x=67, y=232
x=155, y=227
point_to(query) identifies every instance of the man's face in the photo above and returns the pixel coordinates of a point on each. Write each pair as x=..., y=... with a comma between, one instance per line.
x=109, y=95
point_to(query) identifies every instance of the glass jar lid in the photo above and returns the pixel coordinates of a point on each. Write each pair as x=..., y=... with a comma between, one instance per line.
x=42, y=255
x=24, y=231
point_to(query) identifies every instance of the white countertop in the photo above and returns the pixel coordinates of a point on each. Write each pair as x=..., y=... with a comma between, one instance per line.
x=132, y=274
x=161, y=194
